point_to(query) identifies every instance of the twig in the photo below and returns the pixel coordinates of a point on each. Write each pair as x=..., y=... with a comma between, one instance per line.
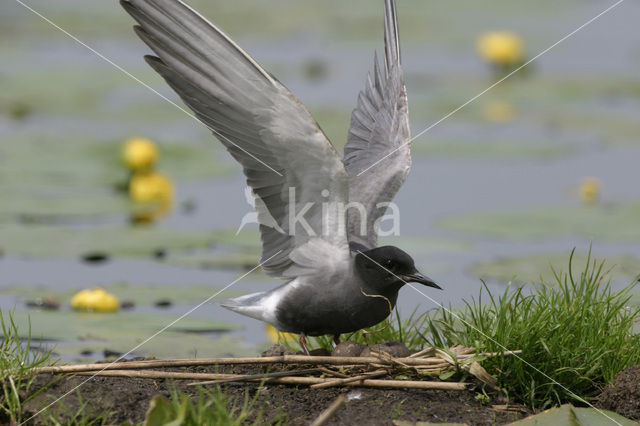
x=338, y=382
x=330, y=411
x=423, y=352
x=333, y=372
x=510, y=407
x=389, y=359
x=248, y=377
x=284, y=359
x=406, y=384
x=152, y=374
x=434, y=367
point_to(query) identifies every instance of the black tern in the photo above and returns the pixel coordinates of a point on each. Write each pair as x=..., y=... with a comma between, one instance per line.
x=320, y=214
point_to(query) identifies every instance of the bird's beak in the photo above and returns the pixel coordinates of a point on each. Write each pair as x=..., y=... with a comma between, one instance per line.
x=417, y=277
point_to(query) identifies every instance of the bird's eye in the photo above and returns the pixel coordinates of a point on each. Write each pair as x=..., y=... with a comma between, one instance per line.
x=389, y=263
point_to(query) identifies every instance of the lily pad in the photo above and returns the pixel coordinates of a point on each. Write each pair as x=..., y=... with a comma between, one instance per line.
x=57, y=242
x=53, y=178
x=166, y=345
x=426, y=244
x=493, y=148
x=239, y=260
x=123, y=331
x=603, y=222
x=247, y=238
x=183, y=159
x=534, y=268
x=250, y=239
x=246, y=249
x=140, y=295
x=36, y=207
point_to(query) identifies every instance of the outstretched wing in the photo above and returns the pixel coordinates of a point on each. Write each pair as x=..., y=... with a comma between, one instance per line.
x=286, y=157
x=379, y=125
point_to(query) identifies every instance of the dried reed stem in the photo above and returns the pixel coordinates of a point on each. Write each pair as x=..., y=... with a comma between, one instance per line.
x=339, y=382
x=284, y=359
x=150, y=374
x=324, y=417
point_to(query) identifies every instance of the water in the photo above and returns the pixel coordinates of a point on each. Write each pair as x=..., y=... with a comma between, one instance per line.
x=442, y=72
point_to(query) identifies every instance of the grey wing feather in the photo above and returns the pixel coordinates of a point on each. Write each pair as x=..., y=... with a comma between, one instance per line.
x=263, y=126
x=379, y=125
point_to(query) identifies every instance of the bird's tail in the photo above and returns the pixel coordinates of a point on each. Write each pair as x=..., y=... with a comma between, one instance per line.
x=251, y=305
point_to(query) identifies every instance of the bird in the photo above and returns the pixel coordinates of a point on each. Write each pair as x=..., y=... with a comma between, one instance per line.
x=336, y=279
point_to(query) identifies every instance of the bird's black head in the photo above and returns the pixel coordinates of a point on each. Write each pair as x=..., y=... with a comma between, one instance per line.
x=388, y=266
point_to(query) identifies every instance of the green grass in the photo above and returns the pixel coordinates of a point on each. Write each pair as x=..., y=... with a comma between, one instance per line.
x=80, y=416
x=575, y=335
x=209, y=407
x=17, y=359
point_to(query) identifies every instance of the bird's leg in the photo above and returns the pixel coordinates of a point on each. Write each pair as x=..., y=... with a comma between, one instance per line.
x=365, y=333
x=336, y=339
x=303, y=343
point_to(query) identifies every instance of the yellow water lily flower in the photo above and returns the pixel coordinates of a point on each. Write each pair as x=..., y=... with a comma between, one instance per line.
x=590, y=190
x=501, y=47
x=139, y=154
x=276, y=336
x=151, y=188
x=499, y=111
x=96, y=300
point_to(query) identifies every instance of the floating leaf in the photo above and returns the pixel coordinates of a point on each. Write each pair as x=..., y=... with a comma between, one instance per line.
x=239, y=260
x=123, y=331
x=47, y=206
x=140, y=295
x=57, y=242
x=76, y=177
x=492, y=148
x=607, y=222
x=69, y=325
x=167, y=344
x=426, y=245
x=533, y=268
x=247, y=238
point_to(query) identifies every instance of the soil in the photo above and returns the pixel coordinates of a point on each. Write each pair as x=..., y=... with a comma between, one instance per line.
x=623, y=395
x=127, y=399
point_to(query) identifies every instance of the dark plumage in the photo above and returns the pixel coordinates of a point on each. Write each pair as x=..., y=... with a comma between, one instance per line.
x=345, y=305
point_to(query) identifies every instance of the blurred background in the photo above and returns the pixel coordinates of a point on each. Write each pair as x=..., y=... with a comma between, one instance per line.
x=105, y=184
